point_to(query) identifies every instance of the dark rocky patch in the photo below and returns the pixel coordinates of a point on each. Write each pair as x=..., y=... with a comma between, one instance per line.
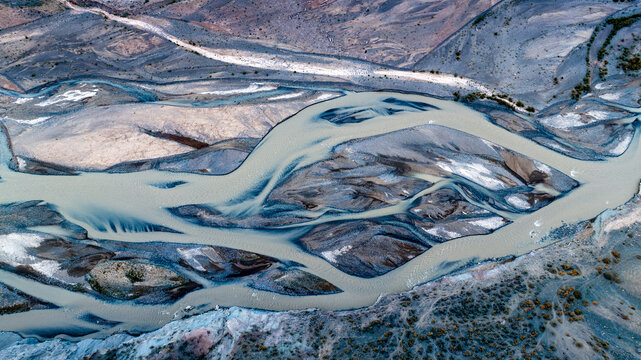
x=364, y=248
x=168, y=185
x=206, y=216
x=217, y=159
x=185, y=140
x=13, y=301
x=351, y=115
x=19, y=216
x=293, y=282
x=94, y=319
x=31, y=166
x=78, y=258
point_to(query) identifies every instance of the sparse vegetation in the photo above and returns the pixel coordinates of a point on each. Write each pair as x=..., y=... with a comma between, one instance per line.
x=582, y=87
x=135, y=275
x=617, y=24
x=501, y=99
x=481, y=17
x=629, y=62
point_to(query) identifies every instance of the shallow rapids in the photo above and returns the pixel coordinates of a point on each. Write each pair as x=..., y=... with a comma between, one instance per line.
x=94, y=200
